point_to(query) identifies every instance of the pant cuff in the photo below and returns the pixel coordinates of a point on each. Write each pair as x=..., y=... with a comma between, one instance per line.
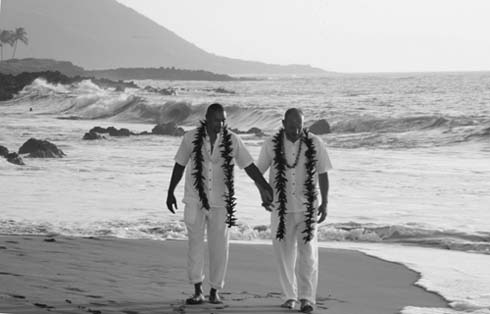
x=215, y=286
x=312, y=300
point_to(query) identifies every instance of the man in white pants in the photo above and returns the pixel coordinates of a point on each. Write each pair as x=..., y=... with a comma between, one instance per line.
x=298, y=163
x=211, y=149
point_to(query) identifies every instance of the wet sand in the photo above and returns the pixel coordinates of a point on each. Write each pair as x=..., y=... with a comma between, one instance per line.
x=108, y=275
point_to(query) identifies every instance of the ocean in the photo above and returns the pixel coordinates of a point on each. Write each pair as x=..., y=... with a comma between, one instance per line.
x=410, y=184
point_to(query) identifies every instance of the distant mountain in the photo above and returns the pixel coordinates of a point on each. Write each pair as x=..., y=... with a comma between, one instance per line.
x=102, y=34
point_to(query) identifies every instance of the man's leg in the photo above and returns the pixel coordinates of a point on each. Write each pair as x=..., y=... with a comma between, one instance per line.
x=218, y=251
x=307, y=265
x=285, y=252
x=195, y=221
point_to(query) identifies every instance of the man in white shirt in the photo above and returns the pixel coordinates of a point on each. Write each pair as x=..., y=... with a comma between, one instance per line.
x=298, y=163
x=212, y=150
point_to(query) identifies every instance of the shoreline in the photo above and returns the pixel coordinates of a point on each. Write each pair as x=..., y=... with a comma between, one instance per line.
x=112, y=275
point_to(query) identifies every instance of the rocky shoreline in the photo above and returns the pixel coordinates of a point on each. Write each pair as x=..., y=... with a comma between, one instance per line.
x=12, y=84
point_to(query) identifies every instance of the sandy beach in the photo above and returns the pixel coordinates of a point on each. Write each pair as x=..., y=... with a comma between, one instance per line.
x=108, y=275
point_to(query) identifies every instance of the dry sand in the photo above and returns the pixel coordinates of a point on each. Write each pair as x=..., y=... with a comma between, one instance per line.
x=94, y=275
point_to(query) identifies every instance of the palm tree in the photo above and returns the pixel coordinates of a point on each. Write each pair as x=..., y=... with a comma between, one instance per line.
x=6, y=37
x=19, y=34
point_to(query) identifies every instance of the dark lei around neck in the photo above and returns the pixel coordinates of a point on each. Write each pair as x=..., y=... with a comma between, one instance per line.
x=227, y=155
x=198, y=160
x=227, y=166
x=280, y=165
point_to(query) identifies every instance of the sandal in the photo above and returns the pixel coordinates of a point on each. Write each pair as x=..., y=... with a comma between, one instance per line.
x=194, y=300
x=306, y=306
x=215, y=299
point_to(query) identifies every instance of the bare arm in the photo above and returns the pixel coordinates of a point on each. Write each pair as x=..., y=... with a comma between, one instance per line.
x=177, y=173
x=324, y=186
x=264, y=188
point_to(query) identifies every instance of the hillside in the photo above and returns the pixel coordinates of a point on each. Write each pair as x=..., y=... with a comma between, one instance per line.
x=104, y=34
x=17, y=66
x=29, y=65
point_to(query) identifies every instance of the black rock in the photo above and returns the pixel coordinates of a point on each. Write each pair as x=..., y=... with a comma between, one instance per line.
x=14, y=158
x=92, y=136
x=40, y=149
x=168, y=129
x=164, y=91
x=98, y=129
x=256, y=131
x=253, y=130
x=320, y=127
x=121, y=132
x=3, y=151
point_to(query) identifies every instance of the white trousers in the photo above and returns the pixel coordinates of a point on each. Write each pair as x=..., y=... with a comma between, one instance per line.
x=297, y=261
x=213, y=221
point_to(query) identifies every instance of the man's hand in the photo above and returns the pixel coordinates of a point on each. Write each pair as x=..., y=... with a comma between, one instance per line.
x=171, y=202
x=266, y=194
x=322, y=212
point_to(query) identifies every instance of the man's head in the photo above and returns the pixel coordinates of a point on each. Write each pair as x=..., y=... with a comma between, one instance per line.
x=215, y=118
x=293, y=124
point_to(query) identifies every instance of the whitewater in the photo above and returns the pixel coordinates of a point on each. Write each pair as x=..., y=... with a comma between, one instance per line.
x=410, y=183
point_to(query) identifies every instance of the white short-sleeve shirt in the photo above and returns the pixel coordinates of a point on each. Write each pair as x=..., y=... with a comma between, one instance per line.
x=214, y=178
x=295, y=186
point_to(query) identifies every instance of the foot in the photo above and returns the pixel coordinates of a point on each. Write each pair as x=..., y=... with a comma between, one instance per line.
x=214, y=297
x=289, y=304
x=195, y=299
x=306, y=306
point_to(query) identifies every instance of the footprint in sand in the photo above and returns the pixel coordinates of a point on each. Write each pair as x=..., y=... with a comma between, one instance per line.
x=93, y=296
x=9, y=274
x=17, y=296
x=75, y=289
x=43, y=306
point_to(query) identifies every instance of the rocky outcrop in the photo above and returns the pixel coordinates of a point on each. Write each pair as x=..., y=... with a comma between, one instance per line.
x=40, y=149
x=13, y=158
x=253, y=130
x=17, y=66
x=159, y=74
x=220, y=90
x=12, y=84
x=168, y=129
x=320, y=127
x=169, y=91
x=92, y=136
x=3, y=151
x=122, y=132
x=95, y=133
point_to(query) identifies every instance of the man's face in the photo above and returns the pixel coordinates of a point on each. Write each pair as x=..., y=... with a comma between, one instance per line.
x=293, y=125
x=216, y=121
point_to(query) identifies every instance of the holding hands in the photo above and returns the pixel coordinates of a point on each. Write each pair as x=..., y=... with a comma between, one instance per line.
x=267, y=196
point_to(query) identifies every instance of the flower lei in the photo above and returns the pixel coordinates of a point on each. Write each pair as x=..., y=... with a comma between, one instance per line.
x=227, y=166
x=280, y=179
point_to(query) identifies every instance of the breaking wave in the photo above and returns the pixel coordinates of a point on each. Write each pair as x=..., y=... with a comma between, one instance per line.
x=350, y=232
x=86, y=100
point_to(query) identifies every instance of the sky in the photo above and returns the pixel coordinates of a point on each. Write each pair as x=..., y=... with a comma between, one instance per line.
x=335, y=35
